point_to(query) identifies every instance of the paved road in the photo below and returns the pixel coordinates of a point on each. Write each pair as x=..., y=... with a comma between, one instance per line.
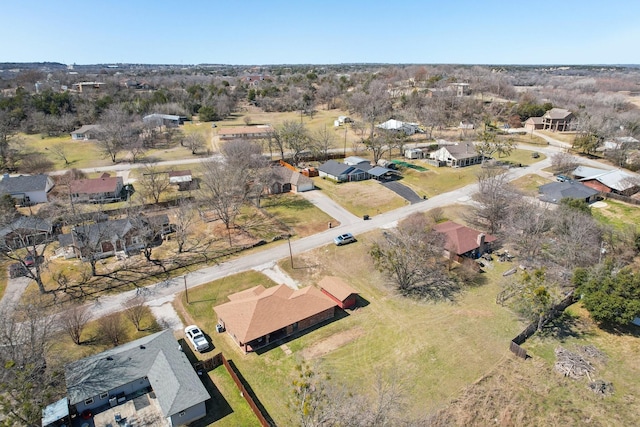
x=348, y=222
x=108, y=304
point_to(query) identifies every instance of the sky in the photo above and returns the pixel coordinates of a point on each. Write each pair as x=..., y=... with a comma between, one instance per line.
x=254, y=32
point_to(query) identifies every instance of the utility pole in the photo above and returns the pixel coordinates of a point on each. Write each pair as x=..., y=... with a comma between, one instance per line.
x=290, y=251
x=345, y=140
x=186, y=290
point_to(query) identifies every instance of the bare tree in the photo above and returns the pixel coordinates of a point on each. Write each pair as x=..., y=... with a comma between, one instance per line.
x=293, y=136
x=563, y=163
x=411, y=257
x=112, y=329
x=527, y=225
x=322, y=141
x=185, y=222
x=73, y=320
x=154, y=182
x=60, y=151
x=224, y=189
x=116, y=131
x=194, y=142
x=27, y=378
x=135, y=310
x=492, y=199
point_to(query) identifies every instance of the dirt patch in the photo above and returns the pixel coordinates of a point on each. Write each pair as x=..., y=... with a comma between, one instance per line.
x=334, y=342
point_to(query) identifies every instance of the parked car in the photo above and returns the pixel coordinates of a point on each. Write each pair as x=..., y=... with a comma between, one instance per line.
x=343, y=239
x=562, y=178
x=197, y=338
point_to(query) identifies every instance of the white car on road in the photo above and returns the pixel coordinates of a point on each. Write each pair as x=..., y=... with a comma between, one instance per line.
x=197, y=338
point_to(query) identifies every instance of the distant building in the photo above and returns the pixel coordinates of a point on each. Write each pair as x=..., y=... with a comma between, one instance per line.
x=557, y=119
x=245, y=132
x=83, y=87
x=168, y=120
x=85, y=133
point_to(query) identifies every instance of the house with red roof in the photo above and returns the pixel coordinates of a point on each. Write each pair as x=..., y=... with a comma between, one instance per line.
x=258, y=316
x=103, y=189
x=462, y=241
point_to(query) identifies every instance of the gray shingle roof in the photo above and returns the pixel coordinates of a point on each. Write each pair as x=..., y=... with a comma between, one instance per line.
x=334, y=168
x=157, y=357
x=23, y=184
x=556, y=191
x=27, y=223
x=92, y=234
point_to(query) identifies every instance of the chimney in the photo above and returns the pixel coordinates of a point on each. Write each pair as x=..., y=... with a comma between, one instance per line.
x=480, y=241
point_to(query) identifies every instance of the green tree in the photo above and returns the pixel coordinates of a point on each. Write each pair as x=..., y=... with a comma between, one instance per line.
x=207, y=113
x=610, y=296
x=579, y=205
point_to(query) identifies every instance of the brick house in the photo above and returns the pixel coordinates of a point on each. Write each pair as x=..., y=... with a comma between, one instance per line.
x=258, y=316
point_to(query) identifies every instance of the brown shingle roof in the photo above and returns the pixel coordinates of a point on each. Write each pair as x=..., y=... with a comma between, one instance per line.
x=336, y=287
x=259, y=311
x=459, y=238
x=462, y=150
x=95, y=185
x=557, y=114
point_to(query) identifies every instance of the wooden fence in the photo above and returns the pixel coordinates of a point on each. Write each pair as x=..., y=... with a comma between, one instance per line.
x=531, y=329
x=248, y=396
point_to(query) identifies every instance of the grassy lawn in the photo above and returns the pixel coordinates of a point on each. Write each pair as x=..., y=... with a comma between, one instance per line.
x=439, y=180
x=361, y=197
x=437, y=348
x=91, y=342
x=233, y=409
x=617, y=214
x=298, y=213
x=521, y=156
x=567, y=137
x=529, y=184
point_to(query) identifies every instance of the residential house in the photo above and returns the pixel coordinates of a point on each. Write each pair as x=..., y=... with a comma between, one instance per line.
x=534, y=123
x=466, y=126
x=84, y=87
x=343, y=173
x=608, y=181
x=556, y=191
x=462, y=89
x=286, y=180
x=85, y=133
x=245, y=132
x=152, y=370
x=97, y=190
x=106, y=238
x=183, y=179
x=27, y=189
x=25, y=231
x=462, y=241
x=168, y=120
x=382, y=174
x=620, y=142
x=557, y=119
x=258, y=316
x=399, y=126
x=339, y=291
x=459, y=155
x=254, y=80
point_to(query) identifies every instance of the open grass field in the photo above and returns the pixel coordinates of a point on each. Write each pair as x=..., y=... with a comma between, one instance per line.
x=617, y=214
x=438, y=180
x=451, y=355
x=436, y=348
x=302, y=216
x=361, y=197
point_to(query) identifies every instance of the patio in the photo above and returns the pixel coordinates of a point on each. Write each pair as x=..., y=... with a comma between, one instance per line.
x=141, y=411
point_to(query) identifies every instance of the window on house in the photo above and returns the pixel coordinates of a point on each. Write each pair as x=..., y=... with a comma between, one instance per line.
x=88, y=401
x=182, y=414
x=104, y=395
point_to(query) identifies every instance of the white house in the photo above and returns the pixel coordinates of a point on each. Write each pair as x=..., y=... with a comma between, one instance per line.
x=398, y=126
x=27, y=189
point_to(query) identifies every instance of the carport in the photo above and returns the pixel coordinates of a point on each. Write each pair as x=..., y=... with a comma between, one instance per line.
x=383, y=174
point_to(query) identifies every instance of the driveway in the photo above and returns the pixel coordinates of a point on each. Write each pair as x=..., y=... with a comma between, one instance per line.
x=403, y=191
x=330, y=207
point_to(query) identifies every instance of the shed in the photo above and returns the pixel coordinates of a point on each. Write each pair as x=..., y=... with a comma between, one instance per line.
x=339, y=291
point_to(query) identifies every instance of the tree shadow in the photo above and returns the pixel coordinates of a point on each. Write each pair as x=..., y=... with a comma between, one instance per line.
x=563, y=327
x=622, y=330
